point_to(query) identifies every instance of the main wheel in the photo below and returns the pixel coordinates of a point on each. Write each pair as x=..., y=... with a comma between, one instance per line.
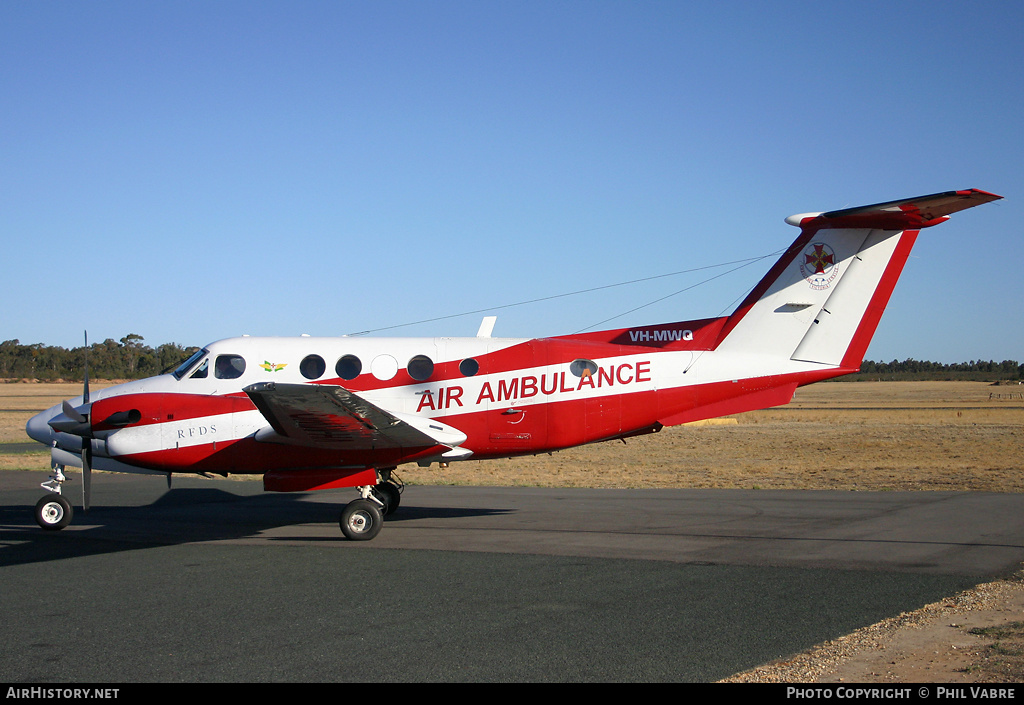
x=361, y=520
x=53, y=512
x=390, y=495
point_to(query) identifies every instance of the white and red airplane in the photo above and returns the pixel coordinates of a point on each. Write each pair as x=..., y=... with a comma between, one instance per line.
x=316, y=413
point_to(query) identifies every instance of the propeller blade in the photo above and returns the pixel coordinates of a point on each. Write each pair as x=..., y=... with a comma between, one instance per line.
x=73, y=420
x=87, y=443
x=86, y=474
x=71, y=412
x=85, y=393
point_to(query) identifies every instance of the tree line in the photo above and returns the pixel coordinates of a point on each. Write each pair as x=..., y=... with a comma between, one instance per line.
x=911, y=369
x=131, y=358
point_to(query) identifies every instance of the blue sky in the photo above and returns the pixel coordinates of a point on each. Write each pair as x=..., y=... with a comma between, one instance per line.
x=190, y=171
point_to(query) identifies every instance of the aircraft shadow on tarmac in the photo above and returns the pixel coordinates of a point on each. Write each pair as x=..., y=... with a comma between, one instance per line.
x=186, y=515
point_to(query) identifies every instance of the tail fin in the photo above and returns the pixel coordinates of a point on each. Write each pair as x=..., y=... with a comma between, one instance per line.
x=822, y=300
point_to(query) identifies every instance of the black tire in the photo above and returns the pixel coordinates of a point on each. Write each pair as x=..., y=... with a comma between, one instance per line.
x=53, y=512
x=390, y=495
x=361, y=520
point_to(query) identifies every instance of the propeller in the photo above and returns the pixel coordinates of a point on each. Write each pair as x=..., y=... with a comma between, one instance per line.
x=75, y=421
x=86, y=441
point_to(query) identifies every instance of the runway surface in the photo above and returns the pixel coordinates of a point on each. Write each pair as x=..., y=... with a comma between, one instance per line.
x=216, y=581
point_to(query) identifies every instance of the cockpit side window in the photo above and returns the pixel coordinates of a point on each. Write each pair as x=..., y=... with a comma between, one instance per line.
x=183, y=368
x=229, y=367
x=201, y=371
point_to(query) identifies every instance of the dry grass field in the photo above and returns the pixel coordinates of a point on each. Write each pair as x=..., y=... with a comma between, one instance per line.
x=835, y=435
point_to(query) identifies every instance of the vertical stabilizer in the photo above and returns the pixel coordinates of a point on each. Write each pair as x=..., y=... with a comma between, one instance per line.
x=822, y=301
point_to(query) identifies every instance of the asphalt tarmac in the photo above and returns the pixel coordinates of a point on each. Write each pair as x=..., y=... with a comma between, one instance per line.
x=215, y=581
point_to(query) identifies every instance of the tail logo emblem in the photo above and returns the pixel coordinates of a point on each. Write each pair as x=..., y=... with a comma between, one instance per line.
x=819, y=267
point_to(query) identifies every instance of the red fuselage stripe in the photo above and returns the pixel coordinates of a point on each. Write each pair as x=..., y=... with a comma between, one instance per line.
x=496, y=433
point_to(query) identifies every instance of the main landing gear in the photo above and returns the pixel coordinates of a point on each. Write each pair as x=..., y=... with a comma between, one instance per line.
x=363, y=518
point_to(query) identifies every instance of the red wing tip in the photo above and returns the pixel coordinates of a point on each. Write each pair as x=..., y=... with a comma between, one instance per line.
x=979, y=192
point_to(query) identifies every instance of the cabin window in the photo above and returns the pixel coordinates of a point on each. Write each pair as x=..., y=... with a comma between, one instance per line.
x=384, y=367
x=229, y=367
x=348, y=367
x=582, y=368
x=312, y=367
x=420, y=367
x=469, y=367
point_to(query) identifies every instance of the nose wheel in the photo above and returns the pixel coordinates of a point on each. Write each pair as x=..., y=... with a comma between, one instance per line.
x=53, y=512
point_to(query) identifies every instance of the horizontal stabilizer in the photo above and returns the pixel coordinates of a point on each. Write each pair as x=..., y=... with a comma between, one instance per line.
x=908, y=213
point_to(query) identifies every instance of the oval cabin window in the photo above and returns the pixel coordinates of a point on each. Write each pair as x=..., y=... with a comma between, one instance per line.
x=312, y=367
x=420, y=368
x=349, y=367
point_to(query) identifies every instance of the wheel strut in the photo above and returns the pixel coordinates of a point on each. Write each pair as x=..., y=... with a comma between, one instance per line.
x=53, y=512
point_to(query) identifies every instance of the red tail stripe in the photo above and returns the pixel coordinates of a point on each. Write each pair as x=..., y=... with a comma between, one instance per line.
x=869, y=323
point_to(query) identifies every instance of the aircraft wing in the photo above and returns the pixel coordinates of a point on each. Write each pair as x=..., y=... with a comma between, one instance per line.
x=329, y=416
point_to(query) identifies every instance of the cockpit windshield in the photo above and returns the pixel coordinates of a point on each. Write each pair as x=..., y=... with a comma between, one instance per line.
x=184, y=367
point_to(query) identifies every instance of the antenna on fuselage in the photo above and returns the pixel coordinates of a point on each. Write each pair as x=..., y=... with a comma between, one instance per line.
x=486, y=327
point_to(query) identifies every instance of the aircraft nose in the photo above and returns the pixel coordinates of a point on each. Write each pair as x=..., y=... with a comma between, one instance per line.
x=38, y=428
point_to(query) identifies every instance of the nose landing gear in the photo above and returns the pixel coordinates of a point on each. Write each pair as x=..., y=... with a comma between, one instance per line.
x=53, y=512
